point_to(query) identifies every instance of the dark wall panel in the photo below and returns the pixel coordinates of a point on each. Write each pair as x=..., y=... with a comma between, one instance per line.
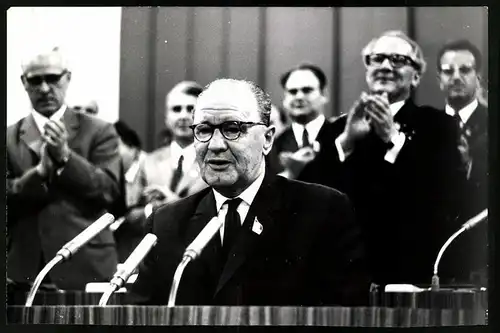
x=295, y=35
x=243, y=48
x=171, y=47
x=135, y=78
x=435, y=26
x=208, y=44
x=357, y=27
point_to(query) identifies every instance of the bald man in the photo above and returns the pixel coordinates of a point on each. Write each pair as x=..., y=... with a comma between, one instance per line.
x=62, y=174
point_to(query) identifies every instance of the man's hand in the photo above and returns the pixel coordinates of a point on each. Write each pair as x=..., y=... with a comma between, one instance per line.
x=45, y=166
x=358, y=124
x=56, y=137
x=381, y=117
x=294, y=163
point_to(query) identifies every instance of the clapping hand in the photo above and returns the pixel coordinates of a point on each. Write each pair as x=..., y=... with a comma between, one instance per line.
x=294, y=163
x=382, y=121
x=56, y=137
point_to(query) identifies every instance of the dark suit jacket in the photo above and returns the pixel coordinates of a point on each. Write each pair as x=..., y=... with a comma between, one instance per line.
x=406, y=209
x=315, y=170
x=43, y=216
x=472, y=246
x=308, y=253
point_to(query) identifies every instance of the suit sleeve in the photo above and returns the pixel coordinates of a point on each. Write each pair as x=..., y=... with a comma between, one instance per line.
x=95, y=179
x=340, y=267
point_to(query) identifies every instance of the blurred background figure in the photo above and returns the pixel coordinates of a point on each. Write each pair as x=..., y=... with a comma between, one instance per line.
x=279, y=119
x=89, y=107
x=63, y=171
x=164, y=137
x=170, y=172
x=131, y=206
x=459, y=65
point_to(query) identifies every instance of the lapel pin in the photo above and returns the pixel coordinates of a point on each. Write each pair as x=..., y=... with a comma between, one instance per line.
x=257, y=227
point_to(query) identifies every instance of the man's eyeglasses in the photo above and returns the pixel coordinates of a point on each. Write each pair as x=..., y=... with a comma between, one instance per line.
x=178, y=108
x=231, y=130
x=396, y=60
x=462, y=70
x=305, y=90
x=50, y=79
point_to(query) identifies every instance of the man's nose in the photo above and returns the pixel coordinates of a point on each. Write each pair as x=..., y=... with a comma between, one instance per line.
x=386, y=64
x=44, y=87
x=217, y=142
x=456, y=75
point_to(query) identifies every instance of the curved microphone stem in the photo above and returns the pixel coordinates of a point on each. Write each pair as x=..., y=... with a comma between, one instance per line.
x=107, y=294
x=177, y=279
x=40, y=277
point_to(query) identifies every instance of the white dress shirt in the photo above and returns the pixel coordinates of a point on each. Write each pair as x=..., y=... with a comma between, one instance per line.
x=465, y=112
x=188, y=152
x=313, y=127
x=247, y=197
x=398, y=140
x=41, y=120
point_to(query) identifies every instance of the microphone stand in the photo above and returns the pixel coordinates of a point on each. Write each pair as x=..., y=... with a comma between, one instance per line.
x=466, y=226
x=177, y=279
x=39, y=278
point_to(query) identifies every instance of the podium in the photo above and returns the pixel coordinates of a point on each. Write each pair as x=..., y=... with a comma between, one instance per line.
x=443, y=308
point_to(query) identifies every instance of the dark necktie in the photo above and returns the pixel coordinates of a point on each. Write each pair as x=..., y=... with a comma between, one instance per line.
x=463, y=145
x=176, y=177
x=232, y=225
x=305, y=138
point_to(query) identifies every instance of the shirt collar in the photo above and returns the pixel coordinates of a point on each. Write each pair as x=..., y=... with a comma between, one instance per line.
x=313, y=127
x=395, y=107
x=188, y=152
x=41, y=120
x=465, y=112
x=248, y=195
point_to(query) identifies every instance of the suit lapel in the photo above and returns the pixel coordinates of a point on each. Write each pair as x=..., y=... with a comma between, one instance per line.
x=30, y=134
x=249, y=241
x=289, y=142
x=478, y=122
x=72, y=122
x=188, y=177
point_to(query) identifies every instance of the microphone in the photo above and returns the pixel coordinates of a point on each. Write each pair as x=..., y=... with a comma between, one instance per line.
x=471, y=223
x=69, y=249
x=194, y=249
x=192, y=252
x=85, y=236
x=123, y=273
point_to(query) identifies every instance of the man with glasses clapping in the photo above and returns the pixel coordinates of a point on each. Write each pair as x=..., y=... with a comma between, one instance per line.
x=399, y=164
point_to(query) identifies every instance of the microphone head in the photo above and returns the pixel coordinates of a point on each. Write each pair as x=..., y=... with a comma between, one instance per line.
x=194, y=249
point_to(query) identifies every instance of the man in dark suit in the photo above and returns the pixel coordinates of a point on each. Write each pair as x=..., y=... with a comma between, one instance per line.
x=283, y=242
x=459, y=67
x=304, y=100
x=62, y=174
x=398, y=163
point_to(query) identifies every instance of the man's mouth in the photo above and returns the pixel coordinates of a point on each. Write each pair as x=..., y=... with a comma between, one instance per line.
x=218, y=164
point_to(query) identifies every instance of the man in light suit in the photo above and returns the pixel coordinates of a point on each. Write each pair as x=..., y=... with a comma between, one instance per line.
x=170, y=172
x=62, y=174
x=305, y=98
x=398, y=163
x=459, y=65
x=283, y=242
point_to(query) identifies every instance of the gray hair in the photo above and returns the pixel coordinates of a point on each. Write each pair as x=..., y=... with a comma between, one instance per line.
x=417, y=54
x=191, y=88
x=33, y=55
x=263, y=99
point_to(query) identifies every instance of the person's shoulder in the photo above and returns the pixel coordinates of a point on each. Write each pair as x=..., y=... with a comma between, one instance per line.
x=91, y=123
x=310, y=191
x=284, y=135
x=158, y=154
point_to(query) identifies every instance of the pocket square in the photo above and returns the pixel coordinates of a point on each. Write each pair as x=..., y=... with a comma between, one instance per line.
x=257, y=227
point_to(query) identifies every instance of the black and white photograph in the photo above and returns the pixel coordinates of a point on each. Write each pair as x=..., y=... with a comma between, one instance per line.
x=247, y=166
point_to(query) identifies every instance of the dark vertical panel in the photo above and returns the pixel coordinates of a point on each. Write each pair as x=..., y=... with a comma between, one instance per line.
x=295, y=35
x=208, y=46
x=243, y=46
x=151, y=93
x=335, y=78
x=358, y=26
x=436, y=25
x=134, y=69
x=171, y=57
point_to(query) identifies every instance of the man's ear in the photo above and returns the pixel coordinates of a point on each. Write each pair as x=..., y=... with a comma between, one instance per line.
x=23, y=80
x=269, y=136
x=415, y=81
x=68, y=76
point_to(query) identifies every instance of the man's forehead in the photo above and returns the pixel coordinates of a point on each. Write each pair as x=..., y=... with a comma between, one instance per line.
x=392, y=44
x=302, y=78
x=231, y=94
x=180, y=98
x=458, y=57
x=51, y=63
